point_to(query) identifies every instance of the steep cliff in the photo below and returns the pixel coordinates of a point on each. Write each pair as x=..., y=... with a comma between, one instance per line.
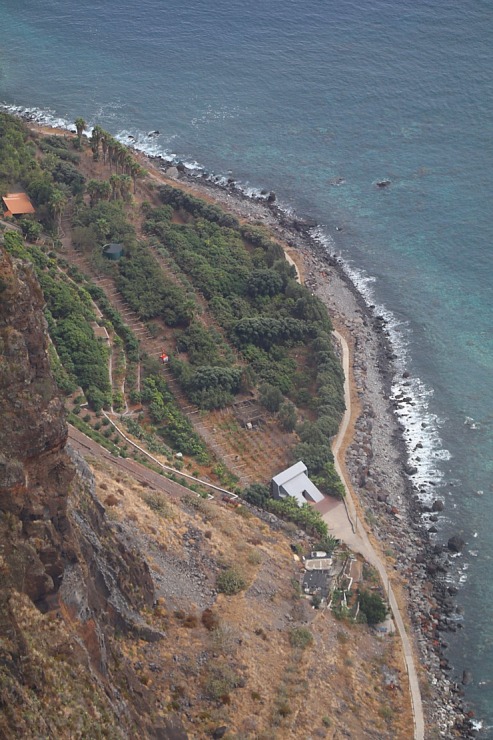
x=69, y=587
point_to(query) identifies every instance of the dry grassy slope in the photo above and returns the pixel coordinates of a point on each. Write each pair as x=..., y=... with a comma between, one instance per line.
x=244, y=674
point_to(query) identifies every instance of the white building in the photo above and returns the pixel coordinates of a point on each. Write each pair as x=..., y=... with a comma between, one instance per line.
x=295, y=482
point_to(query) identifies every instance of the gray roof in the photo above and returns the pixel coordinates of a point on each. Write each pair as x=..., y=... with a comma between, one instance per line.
x=292, y=472
x=296, y=483
x=113, y=248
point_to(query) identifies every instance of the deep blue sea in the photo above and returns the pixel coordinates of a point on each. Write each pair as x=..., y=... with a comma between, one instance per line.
x=318, y=100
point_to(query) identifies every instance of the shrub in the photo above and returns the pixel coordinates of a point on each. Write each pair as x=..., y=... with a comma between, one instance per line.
x=254, y=557
x=300, y=637
x=230, y=582
x=220, y=681
x=210, y=619
x=157, y=503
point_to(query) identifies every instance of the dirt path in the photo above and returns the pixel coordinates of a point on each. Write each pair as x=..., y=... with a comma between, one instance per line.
x=342, y=521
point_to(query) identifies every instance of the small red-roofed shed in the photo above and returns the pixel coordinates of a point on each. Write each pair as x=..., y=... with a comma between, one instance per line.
x=17, y=204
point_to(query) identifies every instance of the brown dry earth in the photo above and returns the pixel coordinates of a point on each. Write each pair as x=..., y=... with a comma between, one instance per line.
x=351, y=683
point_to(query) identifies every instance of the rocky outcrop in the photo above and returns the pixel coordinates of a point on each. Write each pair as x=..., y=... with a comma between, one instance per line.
x=35, y=474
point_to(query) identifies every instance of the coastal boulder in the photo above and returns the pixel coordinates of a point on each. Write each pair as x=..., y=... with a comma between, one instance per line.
x=438, y=505
x=455, y=543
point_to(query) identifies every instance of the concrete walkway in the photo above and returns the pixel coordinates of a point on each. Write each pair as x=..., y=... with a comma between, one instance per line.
x=342, y=521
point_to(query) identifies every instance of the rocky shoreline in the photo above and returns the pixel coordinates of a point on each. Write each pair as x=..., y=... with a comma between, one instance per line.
x=376, y=458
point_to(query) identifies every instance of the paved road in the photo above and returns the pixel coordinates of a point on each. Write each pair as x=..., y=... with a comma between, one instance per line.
x=342, y=520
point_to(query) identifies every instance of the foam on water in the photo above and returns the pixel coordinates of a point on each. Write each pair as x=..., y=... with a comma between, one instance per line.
x=421, y=427
x=42, y=117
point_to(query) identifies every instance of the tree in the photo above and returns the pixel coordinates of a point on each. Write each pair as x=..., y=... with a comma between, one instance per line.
x=257, y=494
x=80, y=126
x=104, y=143
x=270, y=397
x=373, y=606
x=136, y=172
x=115, y=186
x=287, y=417
x=93, y=190
x=126, y=187
x=57, y=203
x=96, y=136
x=30, y=229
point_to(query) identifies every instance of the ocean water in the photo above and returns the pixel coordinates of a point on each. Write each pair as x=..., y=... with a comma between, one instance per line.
x=319, y=101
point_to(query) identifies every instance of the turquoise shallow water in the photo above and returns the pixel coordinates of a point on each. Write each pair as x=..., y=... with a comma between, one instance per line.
x=318, y=102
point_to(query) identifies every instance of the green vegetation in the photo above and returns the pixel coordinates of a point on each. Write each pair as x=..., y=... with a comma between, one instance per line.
x=171, y=424
x=230, y=582
x=303, y=516
x=149, y=292
x=68, y=312
x=265, y=314
x=300, y=637
x=263, y=332
x=372, y=606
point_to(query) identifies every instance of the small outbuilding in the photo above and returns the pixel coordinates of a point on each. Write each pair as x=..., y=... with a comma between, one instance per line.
x=294, y=482
x=113, y=251
x=17, y=204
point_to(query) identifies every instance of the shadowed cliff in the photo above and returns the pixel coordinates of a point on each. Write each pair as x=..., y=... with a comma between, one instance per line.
x=69, y=587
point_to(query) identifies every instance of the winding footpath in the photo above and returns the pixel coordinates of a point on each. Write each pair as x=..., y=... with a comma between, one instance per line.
x=343, y=524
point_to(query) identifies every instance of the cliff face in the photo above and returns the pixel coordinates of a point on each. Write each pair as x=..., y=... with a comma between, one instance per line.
x=68, y=584
x=35, y=473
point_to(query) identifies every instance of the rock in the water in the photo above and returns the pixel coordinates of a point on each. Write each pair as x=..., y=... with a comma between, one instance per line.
x=466, y=678
x=438, y=505
x=455, y=543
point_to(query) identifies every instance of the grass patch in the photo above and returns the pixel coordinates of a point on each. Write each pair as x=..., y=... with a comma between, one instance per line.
x=158, y=504
x=300, y=637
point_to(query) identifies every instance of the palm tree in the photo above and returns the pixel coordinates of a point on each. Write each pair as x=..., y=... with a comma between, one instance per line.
x=136, y=171
x=110, y=145
x=96, y=135
x=115, y=186
x=80, y=126
x=126, y=187
x=121, y=155
x=58, y=202
x=104, y=143
x=117, y=148
x=104, y=190
x=127, y=163
x=92, y=189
